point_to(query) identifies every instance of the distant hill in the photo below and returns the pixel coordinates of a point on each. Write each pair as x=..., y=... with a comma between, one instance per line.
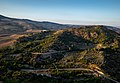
x=116, y=29
x=14, y=25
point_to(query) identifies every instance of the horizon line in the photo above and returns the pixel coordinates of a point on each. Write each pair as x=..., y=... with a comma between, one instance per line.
x=55, y=21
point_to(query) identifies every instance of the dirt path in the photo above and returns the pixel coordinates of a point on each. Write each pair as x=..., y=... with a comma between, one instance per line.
x=38, y=71
x=47, y=53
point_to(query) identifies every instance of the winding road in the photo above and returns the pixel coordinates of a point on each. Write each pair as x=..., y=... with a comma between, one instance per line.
x=99, y=73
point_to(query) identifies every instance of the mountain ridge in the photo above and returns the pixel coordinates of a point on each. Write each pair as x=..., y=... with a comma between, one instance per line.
x=26, y=24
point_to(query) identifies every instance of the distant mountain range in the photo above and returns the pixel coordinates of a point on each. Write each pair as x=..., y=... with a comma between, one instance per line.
x=15, y=25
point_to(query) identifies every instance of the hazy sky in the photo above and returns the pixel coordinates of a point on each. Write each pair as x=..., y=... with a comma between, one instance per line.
x=64, y=11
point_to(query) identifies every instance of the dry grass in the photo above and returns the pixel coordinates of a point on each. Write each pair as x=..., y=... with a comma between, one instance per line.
x=8, y=43
x=35, y=31
x=7, y=40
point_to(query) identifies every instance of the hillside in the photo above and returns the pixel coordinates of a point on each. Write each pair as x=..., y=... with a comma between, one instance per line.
x=73, y=39
x=92, y=48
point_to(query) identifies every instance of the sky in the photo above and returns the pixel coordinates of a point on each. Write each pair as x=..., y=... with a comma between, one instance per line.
x=83, y=12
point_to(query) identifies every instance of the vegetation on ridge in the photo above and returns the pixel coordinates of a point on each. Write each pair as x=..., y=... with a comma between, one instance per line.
x=92, y=47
